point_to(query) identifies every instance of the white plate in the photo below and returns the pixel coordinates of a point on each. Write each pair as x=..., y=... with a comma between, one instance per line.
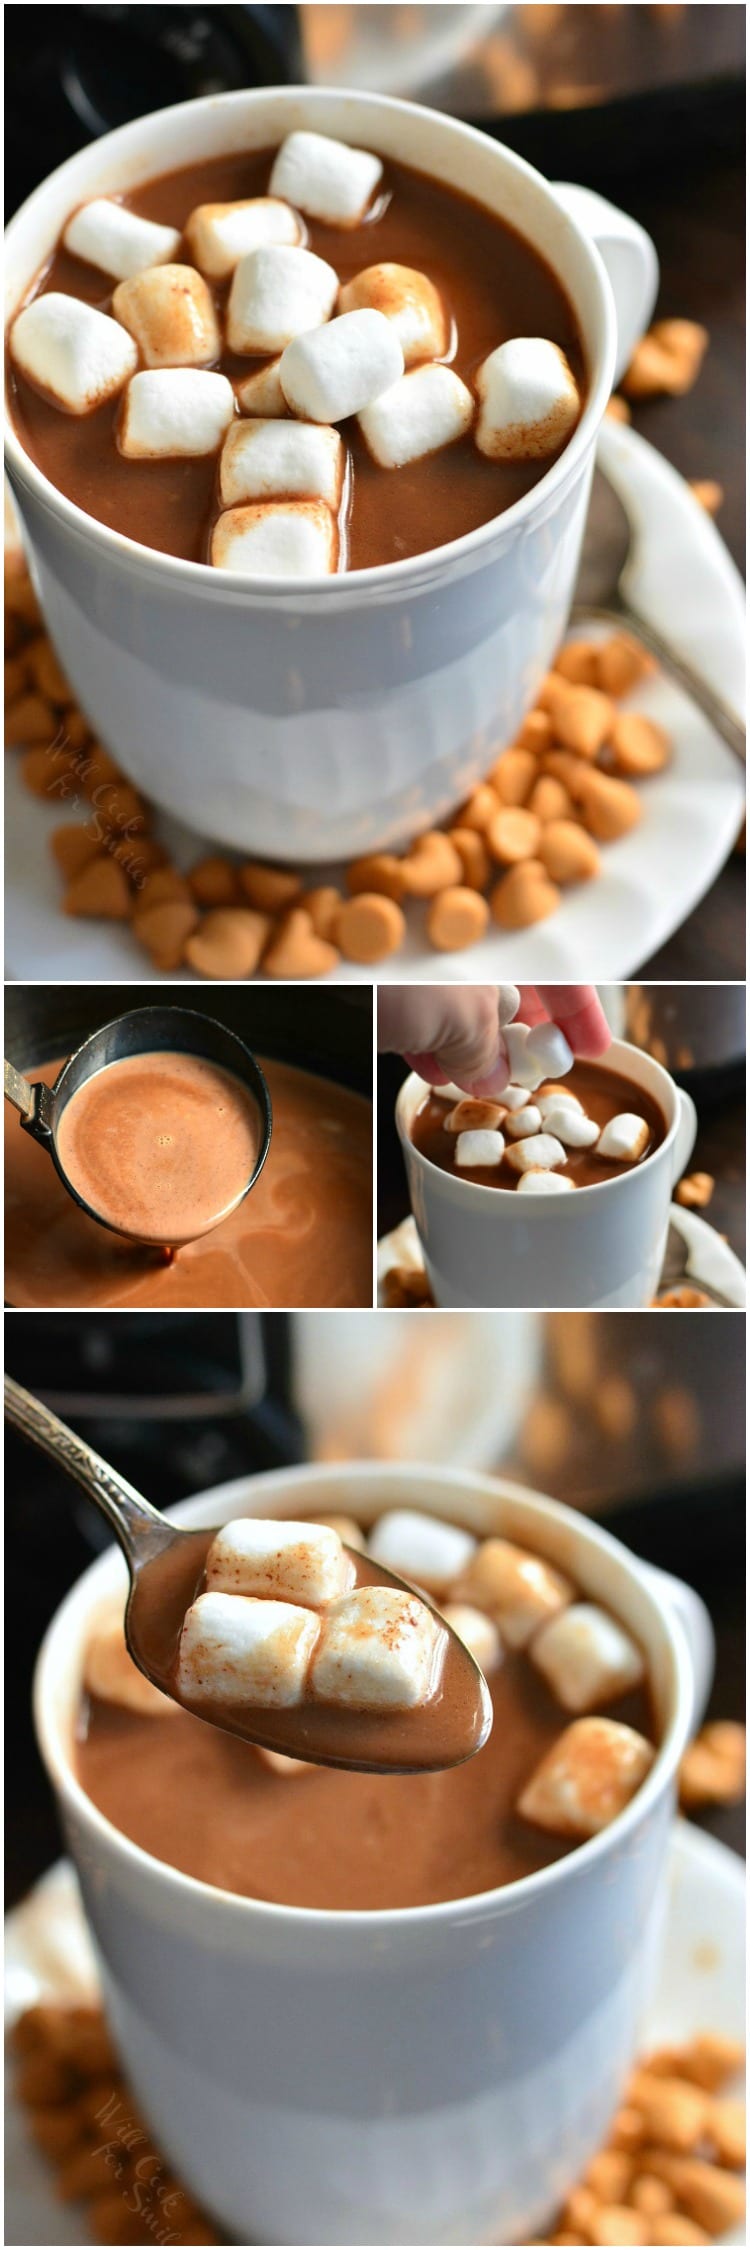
x=709, y=1262
x=686, y=583
x=701, y=1987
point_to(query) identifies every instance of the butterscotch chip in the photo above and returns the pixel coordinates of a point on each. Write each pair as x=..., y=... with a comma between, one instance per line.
x=30, y=719
x=670, y=2226
x=111, y=2220
x=45, y=2079
x=296, y=951
x=568, y=853
x=726, y=2129
x=677, y=1422
x=165, y=929
x=609, y=2175
x=16, y=675
x=708, y=494
x=480, y=808
x=378, y=871
x=41, y=770
x=550, y=800
x=432, y=864
x=581, y=716
x=162, y=883
x=76, y=729
x=620, y=663
x=72, y=848
x=513, y=775
x=140, y=856
x=57, y=2131
x=711, y=1776
x=617, y=409
x=577, y=662
x=714, y=2198
x=536, y=732
x=686, y=1299
x=628, y=2130
x=524, y=896
x=638, y=746
x=322, y=905
x=513, y=835
x=610, y=808
x=615, y=1406
x=474, y=856
x=119, y=804
x=21, y=601
x=47, y=672
x=667, y=359
x=695, y=1190
x=673, y=2111
x=457, y=917
x=651, y=2196
x=89, y=2172
x=710, y=2059
x=213, y=882
x=615, y=2223
x=229, y=943
x=369, y=927
x=269, y=889
x=580, y=2209
x=97, y=768
x=100, y=892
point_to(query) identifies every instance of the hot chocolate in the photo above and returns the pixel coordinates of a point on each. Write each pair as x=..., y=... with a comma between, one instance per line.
x=601, y=1095
x=160, y=1145
x=490, y=286
x=303, y=1237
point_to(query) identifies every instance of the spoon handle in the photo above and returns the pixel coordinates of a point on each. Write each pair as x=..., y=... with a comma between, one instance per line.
x=17, y=1090
x=128, y=1514
x=620, y=613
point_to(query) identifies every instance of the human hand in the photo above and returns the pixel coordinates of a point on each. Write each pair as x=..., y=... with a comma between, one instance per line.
x=454, y=1031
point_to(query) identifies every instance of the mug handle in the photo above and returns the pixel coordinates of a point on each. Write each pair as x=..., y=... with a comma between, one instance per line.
x=694, y=1623
x=685, y=1137
x=628, y=254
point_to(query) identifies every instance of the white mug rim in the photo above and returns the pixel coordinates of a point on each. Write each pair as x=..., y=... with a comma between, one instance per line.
x=477, y=1906
x=536, y=1206
x=179, y=571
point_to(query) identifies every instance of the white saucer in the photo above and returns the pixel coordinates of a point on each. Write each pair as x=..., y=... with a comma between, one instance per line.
x=686, y=583
x=708, y=1261
x=701, y=1987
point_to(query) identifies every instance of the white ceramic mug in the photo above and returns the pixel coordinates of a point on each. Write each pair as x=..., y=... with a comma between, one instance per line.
x=432, y=2075
x=307, y=721
x=487, y=1246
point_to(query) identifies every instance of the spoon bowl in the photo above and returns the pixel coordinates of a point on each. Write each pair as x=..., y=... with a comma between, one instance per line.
x=166, y=1567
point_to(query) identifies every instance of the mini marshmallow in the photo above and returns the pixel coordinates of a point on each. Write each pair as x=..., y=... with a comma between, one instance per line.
x=174, y=411
x=515, y=1097
x=586, y=1658
x=540, y=1153
x=75, y=355
x=474, y=1116
x=587, y=1778
x=523, y=1121
x=508, y=1003
x=409, y=300
x=557, y=1099
x=519, y=1589
x=233, y=1650
x=108, y=235
x=297, y=1562
x=547, y=1044
x=426, y=410
x=544, y=1183
x=327, y=179
x=277, y=539
x=479, y=1151
x=351, y=1532
x=278, y=293
x=524, y=1069
x=624, y=1139
x=528, y=400
x=219, y=234
x=478, y=1633
x=264, y=459
x=110, y=1674
x=170, y=312
x=570, y=1125
x=262, y=394
x=340, y=369
x=379, y=1650
x=421, y=1547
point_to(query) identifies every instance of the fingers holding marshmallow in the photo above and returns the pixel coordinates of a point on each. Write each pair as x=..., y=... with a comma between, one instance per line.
x=338, y=370
x=218, y=235
x=586, y=1778
x=325, y=178
x=77, y=357
x=106, y=234
x=234, y=1649
x=261, y=460
x=528, y=400
x=170, y=312
x=277, y=539
x=409, y=300
x=278, y=293
x=177, y=412
x=423, y=412
x=586, y=1657
x=297, y=1562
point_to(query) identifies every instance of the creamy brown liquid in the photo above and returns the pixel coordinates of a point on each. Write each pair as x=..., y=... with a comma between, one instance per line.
x=603, y=1093
x=495, y=287
x=439, y=1733
x=344, y=1841
x=160, y=1145
x=303, y=1236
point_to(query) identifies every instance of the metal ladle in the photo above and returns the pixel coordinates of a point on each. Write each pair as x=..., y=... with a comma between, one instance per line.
x=166, y=1567
x=142, y=1031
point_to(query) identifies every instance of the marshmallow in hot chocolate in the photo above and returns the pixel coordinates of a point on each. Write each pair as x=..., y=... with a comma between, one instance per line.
x=277, y=539
x=169, y=312
x=174, y=412
x=339, y=369
x=481, y=1151
x=218, y=235
x=409, y=300
x=297, y=1562
x=536, y=1152
x=586, y=1778
x=421, y=1547
x=474, y=1116
x=544, y=1183
x=325, y=178
x=623, y=1139
x=278, y=293
x=75, y=355
x=263, y=460
x=586, y=1657
x=478, y=1632
x=105, y=234
x=379, y=1649
x=235, y=1649
x=428, y=409
x=518, y=1588
x=528, y=400
x=521, y=1122
x=568, y=1123
x=261, y=394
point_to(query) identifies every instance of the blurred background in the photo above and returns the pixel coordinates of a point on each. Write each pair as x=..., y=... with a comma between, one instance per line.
x=697, y=1032
x=636, y=1420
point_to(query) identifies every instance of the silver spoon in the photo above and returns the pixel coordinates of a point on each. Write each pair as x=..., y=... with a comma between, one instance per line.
x=166, y=1571
x=600, y=594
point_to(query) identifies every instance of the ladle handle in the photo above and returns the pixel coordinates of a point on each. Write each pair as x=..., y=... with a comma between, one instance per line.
x=33, y=1102
x=130, y=1516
